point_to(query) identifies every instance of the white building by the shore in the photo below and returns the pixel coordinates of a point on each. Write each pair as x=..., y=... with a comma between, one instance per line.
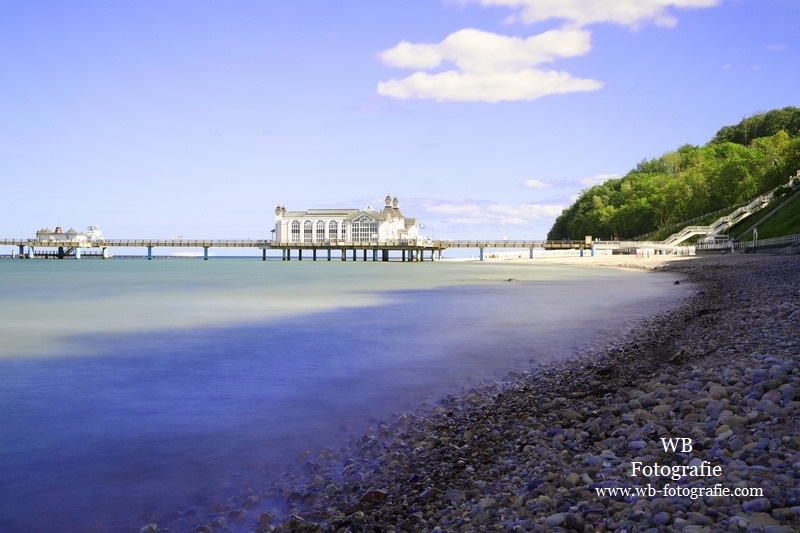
x=93, y=233
x=331, y=226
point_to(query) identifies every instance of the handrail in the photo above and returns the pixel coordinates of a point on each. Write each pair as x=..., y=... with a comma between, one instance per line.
x=264, y=243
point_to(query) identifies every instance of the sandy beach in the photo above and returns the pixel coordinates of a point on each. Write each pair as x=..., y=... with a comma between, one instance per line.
x=687, y=423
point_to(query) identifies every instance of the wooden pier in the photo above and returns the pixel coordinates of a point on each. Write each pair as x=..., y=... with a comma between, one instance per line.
x=406, y=251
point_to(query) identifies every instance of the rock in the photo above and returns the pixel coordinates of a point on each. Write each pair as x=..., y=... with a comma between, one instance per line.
x=717, y=392
x=250, y=502
x=555, y=520
x=486, y=503
x=571, y=480
x=374, y=496
x=575, y=522
x=766, y=406
x=788, y=392
x=662, y=518
x=756, y=505
x=296, y=522
x=296, y=497
x=780, y=529
x=779, y=373
x=429, y=494
x=456, y=496
x=763, y=520
x=661, y=409
x=733, y=421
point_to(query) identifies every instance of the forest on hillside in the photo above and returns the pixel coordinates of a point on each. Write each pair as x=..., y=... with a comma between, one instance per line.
x=739, y=163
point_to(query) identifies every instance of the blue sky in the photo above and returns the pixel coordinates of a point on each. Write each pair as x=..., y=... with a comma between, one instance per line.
x=485, y=117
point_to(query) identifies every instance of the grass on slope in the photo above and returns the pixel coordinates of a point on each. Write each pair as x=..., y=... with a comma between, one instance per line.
x=784, y=222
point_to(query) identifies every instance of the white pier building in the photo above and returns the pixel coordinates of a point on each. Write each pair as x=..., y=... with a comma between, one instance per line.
x=93, y=233
x=335, y=226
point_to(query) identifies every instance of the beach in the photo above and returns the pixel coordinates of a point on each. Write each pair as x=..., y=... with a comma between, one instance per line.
x=691, y=407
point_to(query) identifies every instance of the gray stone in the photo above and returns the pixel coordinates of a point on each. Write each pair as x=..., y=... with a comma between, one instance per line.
x=756, y=505
x=717, y=392
x=456, y=496
x=663, y=518
x=733, y=421
x=374, y=496
x=766, y=406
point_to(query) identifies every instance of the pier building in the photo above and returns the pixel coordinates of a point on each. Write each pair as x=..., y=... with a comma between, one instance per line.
x=333, y=226
x=92, y=233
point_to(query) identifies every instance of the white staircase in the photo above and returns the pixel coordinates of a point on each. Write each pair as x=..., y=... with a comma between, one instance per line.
x=719, y=225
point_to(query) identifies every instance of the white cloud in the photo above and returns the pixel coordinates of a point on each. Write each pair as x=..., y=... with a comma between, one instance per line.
x=472, y=65
x=528, y=84
x=776, y=47
x=631, y=13
x=479, y=51
x=598, y=179
x=535, y=184
x=489, y=67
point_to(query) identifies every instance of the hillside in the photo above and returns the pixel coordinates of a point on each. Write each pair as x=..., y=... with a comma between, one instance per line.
x=774, y=223
x=739, y=163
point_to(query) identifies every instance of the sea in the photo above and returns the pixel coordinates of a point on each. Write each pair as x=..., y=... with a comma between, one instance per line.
x=130, y=388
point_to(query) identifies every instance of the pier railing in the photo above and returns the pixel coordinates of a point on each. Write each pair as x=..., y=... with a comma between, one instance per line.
x=264, y=243
x=182, y=243
x=409, y=249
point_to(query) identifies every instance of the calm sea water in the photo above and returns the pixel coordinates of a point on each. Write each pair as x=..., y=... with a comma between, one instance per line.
x=129, y=387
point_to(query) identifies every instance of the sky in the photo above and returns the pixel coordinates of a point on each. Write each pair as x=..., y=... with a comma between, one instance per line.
x=485, y=118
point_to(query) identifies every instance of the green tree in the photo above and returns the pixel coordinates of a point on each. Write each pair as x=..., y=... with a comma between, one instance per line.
x=739, y=163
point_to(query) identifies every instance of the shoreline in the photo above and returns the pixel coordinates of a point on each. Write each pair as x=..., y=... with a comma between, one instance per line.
x=653, y=262
x=529, y=453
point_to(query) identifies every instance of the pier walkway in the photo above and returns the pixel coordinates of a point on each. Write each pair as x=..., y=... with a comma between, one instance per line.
x=414, y=250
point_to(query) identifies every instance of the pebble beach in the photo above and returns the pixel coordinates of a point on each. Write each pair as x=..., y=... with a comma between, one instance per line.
x=708, y=391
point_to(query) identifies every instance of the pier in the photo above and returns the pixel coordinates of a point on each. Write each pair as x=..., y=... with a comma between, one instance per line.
x=407, y=251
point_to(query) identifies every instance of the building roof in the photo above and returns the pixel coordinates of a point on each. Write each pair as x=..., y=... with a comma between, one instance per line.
x=346, y=214
x=394, y=211
x=390, y=212
x=321, y=213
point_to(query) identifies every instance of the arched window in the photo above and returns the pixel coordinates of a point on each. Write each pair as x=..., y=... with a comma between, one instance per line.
x=320, y=237
x=333, y=230
x=308, y=231
x=365, y=229
x=295, y=231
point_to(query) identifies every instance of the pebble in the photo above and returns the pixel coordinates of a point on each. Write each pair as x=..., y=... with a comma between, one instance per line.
x=757, y=505
x=555, y=520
